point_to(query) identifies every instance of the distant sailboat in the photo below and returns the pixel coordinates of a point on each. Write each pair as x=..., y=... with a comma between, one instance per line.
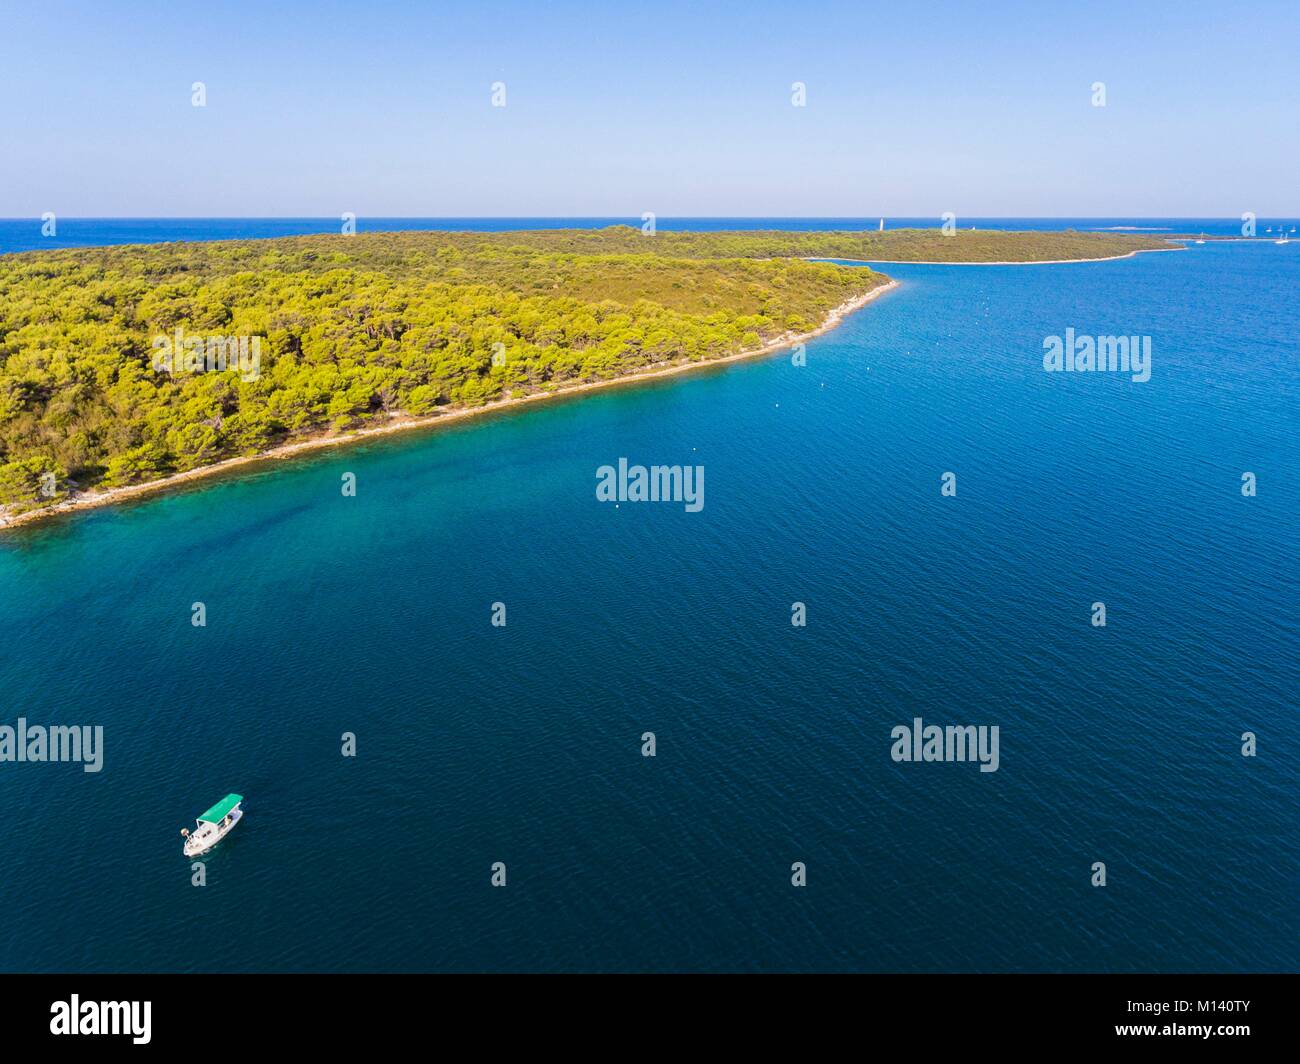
x=1283, y=238
x=882, y=225
x=1202, y=240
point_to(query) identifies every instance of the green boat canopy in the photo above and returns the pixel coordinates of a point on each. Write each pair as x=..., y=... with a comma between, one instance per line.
x=218, y=811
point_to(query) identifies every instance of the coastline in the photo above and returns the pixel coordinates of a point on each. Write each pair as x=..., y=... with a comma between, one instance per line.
x=1015, y=262
x=402, y=423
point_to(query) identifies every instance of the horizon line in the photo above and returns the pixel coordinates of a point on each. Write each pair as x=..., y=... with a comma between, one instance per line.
x=597, y=217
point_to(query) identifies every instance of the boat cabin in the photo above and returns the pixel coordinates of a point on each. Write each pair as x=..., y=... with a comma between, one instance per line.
x=213, y=825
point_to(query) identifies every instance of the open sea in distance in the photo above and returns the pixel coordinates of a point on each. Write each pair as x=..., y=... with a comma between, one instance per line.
x=25, y=234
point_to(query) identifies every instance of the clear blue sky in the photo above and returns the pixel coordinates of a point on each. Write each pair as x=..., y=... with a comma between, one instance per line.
x=614, y=108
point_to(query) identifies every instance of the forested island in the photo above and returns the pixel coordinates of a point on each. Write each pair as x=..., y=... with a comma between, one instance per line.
x=353, y=332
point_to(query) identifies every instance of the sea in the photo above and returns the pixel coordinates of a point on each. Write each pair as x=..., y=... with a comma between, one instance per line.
x=39, y=234
x=427, y=790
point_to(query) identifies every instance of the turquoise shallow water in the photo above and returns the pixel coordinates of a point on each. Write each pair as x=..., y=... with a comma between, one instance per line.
x=478, y=744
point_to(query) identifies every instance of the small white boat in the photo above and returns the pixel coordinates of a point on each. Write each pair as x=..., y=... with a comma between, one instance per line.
x=213, y=826
x=882, y=225
x=1202, y=239
x=1284, y=238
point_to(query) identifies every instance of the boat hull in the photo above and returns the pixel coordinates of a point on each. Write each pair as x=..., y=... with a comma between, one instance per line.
x=203, y=840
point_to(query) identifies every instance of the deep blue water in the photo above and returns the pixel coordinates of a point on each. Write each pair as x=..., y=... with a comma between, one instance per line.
x=24, y=234
x=478, y=744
